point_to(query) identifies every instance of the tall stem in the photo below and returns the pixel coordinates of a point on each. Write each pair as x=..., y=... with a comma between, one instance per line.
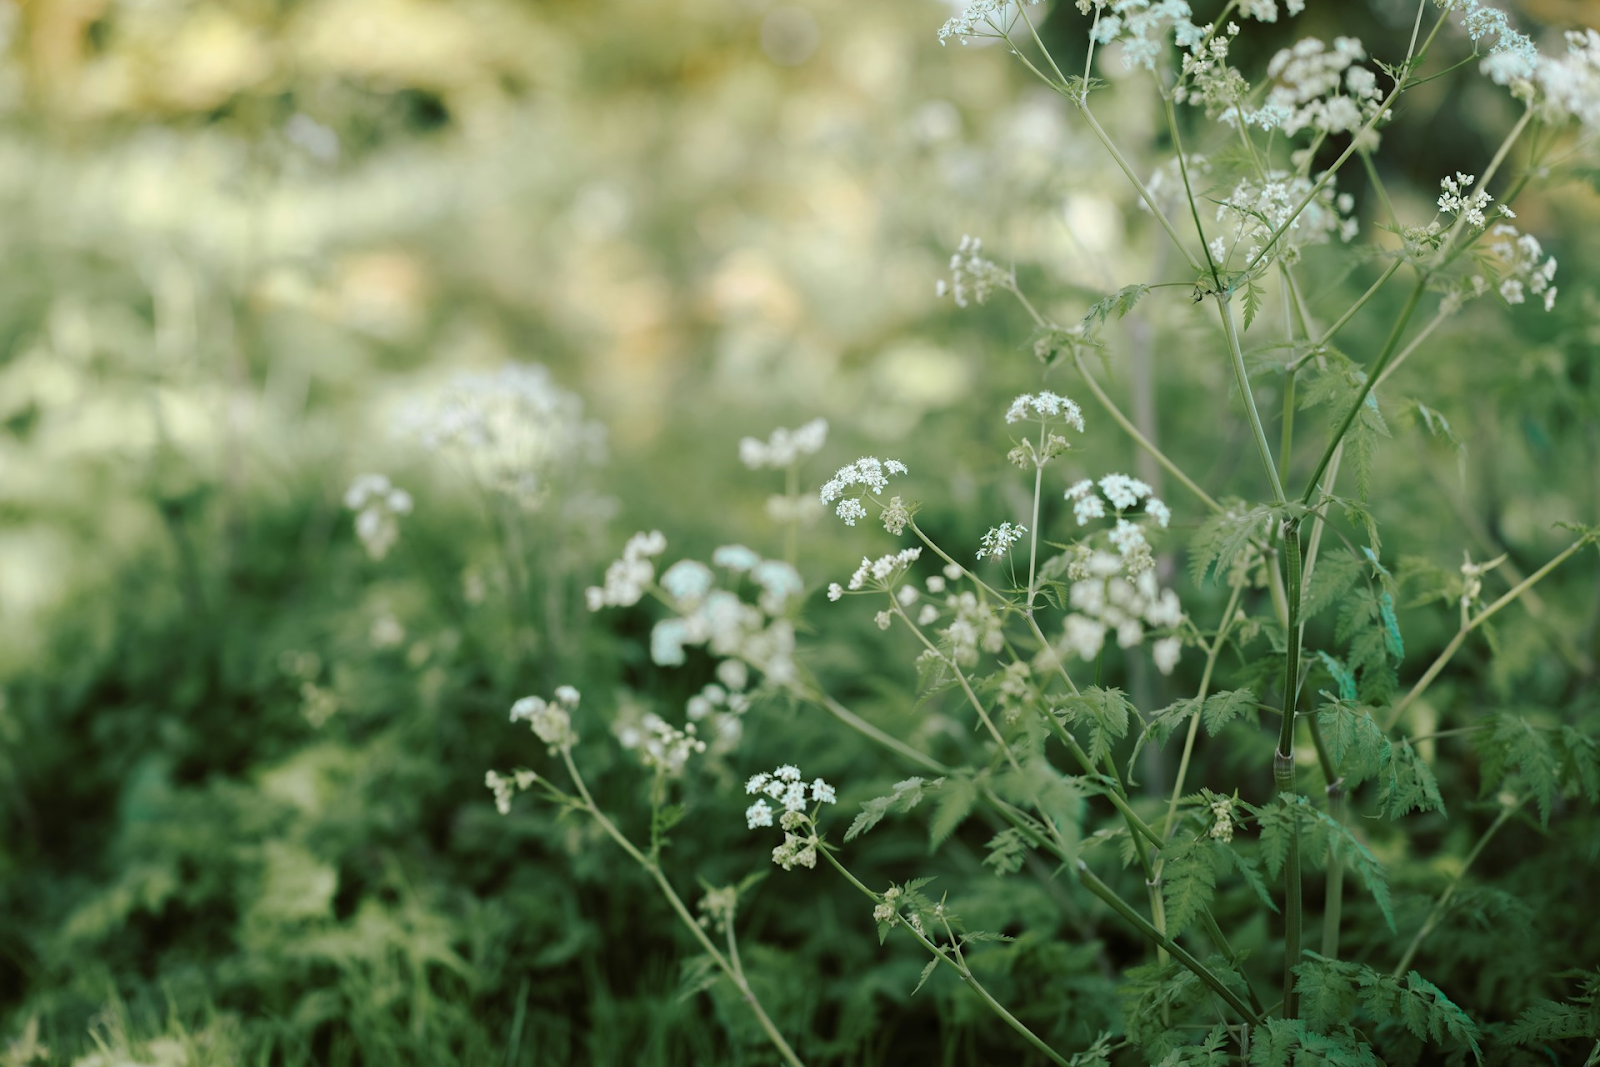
x=735, y=974
x=953, y=961
x=1242, y=378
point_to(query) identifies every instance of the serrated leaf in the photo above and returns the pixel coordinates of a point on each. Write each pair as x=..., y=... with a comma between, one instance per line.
x=1253, y=294
x=952, y=804
x=1406, y=783
x=1341, y=675
x=1349, y=849
x=1350, y=731
x=1222, y=708
x=1221, y=538
x=1334, y=573
x=1006, y=851
x=1118, y=304
x=906, y=795
x=1189, y=881
x=927, y=972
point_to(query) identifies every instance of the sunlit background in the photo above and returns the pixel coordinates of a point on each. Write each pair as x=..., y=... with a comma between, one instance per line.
x=241, y=811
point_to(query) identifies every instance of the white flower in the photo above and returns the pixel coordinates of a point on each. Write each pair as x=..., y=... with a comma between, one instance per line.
x=758, y=814
x=378, y=506
x=736, y=558
x=784, y=447
x=1123, y=492
x=885, y=571
x=1046, y=406
x=868, y=473
x=883, y=619
x=626, y=579
x=998, y=541
x=973, y=275
x=822, y=792
x=1165, y=654
x=835, y=590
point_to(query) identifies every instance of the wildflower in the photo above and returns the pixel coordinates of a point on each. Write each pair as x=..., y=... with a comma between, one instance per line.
x=1046, y=406
x=551, y=722
x=627, y=578
x=882, y=620
x=758, y=814
x=378, y=506
x=504, y=789
x=736, y=558
x=835, y=590
x=1455, y=200
x=988, y=13
x=665, y=747
x=971, y=275
x=1520, y=255
x=1165, y=654
x=687, y=581
x=514, y=430
x=868, y=473
x=885, y=571
x=928, y=615
x=784, y=447
x=998, y=541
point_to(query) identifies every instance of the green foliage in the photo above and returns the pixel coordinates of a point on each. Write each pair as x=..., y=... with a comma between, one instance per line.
x=1106, y=713
x=1356, y=743
x=1406, y=782
x=1333, y=992
x=1223, y=538
x=906, y=795
x=1117, y=305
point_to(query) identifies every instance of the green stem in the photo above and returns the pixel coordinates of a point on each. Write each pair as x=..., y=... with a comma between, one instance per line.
x=1283, y=765
x=1179, y=953
x=1389, y=347
x=1242, y=378
x=727, y=967
x=1461, y=635
x=1437, y=911
x=1033, y=530
x=1141, y=440
x=964, y=972
x=1361, y=302
x=1139, y=186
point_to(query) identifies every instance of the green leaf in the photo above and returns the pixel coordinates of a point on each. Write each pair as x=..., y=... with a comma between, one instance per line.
x=907, y=795
x=1341, y=675
x=927, y=972
x=1222, y=538
x=1222, y=708
x=1118, y=304
x=1007, y=850
x=1334, y=573
x=952, y=804
x=1253, y=294
x=1188, y=881
x=1513, y=744
x=1350, y=730
x=1407, y=783
x=1107, y=712
x=1349, y=849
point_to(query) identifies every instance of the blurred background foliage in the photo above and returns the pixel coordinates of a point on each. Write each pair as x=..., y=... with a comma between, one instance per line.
x=241, y=806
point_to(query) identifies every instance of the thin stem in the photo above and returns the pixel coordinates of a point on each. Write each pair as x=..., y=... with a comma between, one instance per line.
x=1482, y=617
x=1437, y=911
x=1389, y=347
x=1139, y=186
x=1178, y=952
x=1205, y=686
x=958, y=965
x=1283, y=767
x=682, y=910
x=791, y=533
x=972, y=697
x=1242, y=378
x=1142, y=441
x=1033, y=529
x=965, y=571
x=866, y=729
x=1372, y=291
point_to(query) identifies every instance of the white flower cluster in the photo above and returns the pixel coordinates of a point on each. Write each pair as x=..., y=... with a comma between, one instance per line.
x=1255, y=209
x=1315, y=88
x=1222, y=814
x=888, y=911
x=551, y=719
x=786, y=786
x=1513, y=58
x=885, y=572
x=984, y=18
x=507, y=786
x=660, y=744
x=1267, y=10
x=784, y=447
x=1104, y=601
x=378, y=506
x=1570, y=85
x=973, y=627
x=1124, y=493
x=865, y=475
x=1456, y=200
x=707, y=615
x=1142, y=26
x=972, y=276
x=513, y=430
x=630, y=576
x=722, y=704
x=1526, y=268
x=1045, y=406
x=998, y=541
